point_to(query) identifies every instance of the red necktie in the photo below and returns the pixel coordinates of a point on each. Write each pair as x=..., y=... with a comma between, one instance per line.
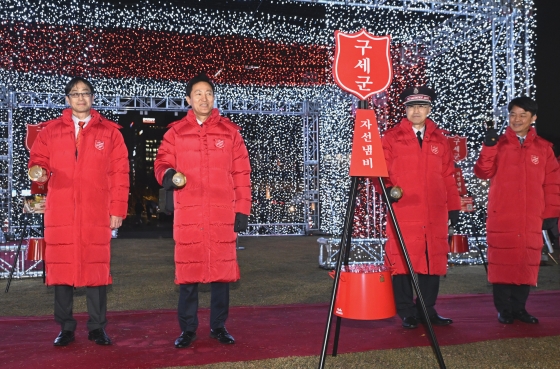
x=79, y=137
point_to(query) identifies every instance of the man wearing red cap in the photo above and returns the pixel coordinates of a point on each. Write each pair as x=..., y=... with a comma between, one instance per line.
x=420, y=162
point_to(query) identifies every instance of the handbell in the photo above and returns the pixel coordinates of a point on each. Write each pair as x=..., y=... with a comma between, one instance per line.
x=35, y=173
x=179, y=180
x=396, y=192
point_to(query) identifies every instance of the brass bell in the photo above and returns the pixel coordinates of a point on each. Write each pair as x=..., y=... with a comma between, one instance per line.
x=396, y=192
x=179, y=180
x=35, y=173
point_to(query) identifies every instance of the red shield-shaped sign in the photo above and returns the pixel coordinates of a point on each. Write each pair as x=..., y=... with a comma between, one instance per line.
x=362, y=63
x=458, y=147
x=32, y=132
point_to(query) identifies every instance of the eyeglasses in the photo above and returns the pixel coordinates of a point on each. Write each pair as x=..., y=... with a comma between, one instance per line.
x=75, y=95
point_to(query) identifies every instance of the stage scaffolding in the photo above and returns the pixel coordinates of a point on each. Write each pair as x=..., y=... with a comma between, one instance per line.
x=507, y=22
x=308, y=111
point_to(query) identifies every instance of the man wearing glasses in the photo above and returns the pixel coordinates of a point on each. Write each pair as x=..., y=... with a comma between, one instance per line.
x=84, y=161
x=419, y=161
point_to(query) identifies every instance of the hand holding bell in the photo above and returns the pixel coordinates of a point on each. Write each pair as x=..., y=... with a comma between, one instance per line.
x=396, y=193
x=179, y=180
x=35, y=173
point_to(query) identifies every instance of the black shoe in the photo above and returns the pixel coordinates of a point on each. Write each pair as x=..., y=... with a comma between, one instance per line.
x=505, y=317
x=64, y=338
x=525, y=317
x=185, y=339
x=439, y=320
x=222, y=335
x=409, y=322
x=99, y=336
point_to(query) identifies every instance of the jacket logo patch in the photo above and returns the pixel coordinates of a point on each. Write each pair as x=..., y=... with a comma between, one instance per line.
x=220, y=144
x=435, y=149
x=99, y=145
x=534, y=159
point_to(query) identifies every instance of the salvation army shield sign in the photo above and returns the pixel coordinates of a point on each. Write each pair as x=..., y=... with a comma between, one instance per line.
x=362, y=63
x=32, y=132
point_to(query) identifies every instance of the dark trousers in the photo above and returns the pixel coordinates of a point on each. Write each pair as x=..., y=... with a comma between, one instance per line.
x=404, y=298
x=510, y=297
x=96, y=298
x=188, y=306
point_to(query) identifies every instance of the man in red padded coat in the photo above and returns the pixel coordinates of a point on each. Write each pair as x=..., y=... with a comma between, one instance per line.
x=83, y=158
x=419, y=161
x=214, y=204
x=523, y=199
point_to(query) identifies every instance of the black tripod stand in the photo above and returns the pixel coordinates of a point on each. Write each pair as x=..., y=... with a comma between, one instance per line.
x=477, y=236
x=344, y=253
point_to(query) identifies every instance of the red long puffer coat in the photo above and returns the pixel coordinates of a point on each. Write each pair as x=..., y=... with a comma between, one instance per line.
x=83, y=192
x=429, y=192
x=524, y=190
x=215, y=161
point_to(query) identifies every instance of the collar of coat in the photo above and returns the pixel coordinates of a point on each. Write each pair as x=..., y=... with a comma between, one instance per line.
x=96, y=118
x=512, y=136
x=405, y=126
x=189, y=121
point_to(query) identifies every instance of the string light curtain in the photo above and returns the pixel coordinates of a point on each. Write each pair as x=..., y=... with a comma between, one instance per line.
x=152, y=49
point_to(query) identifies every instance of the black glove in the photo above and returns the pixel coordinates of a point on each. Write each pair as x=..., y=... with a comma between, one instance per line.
x=169, y=201
x=491, y=137
x=391, y=199
x=549, y=223
x=241, y=222
x=453, y=217
x=167, y=182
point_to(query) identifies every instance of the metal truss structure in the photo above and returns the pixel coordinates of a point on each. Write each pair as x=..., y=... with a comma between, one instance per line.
x=309, y=112
x=123, y=104
x=477, y=253
x=23, y=268
x=311, y=165
x=507, y=22
x=362, y=251
x=372, y=251
x=6, y=158
x=451, y=7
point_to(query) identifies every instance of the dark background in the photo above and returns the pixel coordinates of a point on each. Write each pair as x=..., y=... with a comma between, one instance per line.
x=547, y=76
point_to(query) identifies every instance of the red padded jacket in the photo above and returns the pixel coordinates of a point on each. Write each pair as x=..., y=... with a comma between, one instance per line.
x=524, y=190
x=83, y=192
x=215, y=161
x=429, y=192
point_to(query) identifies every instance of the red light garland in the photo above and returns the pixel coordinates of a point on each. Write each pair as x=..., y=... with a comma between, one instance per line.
x=130, y=53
